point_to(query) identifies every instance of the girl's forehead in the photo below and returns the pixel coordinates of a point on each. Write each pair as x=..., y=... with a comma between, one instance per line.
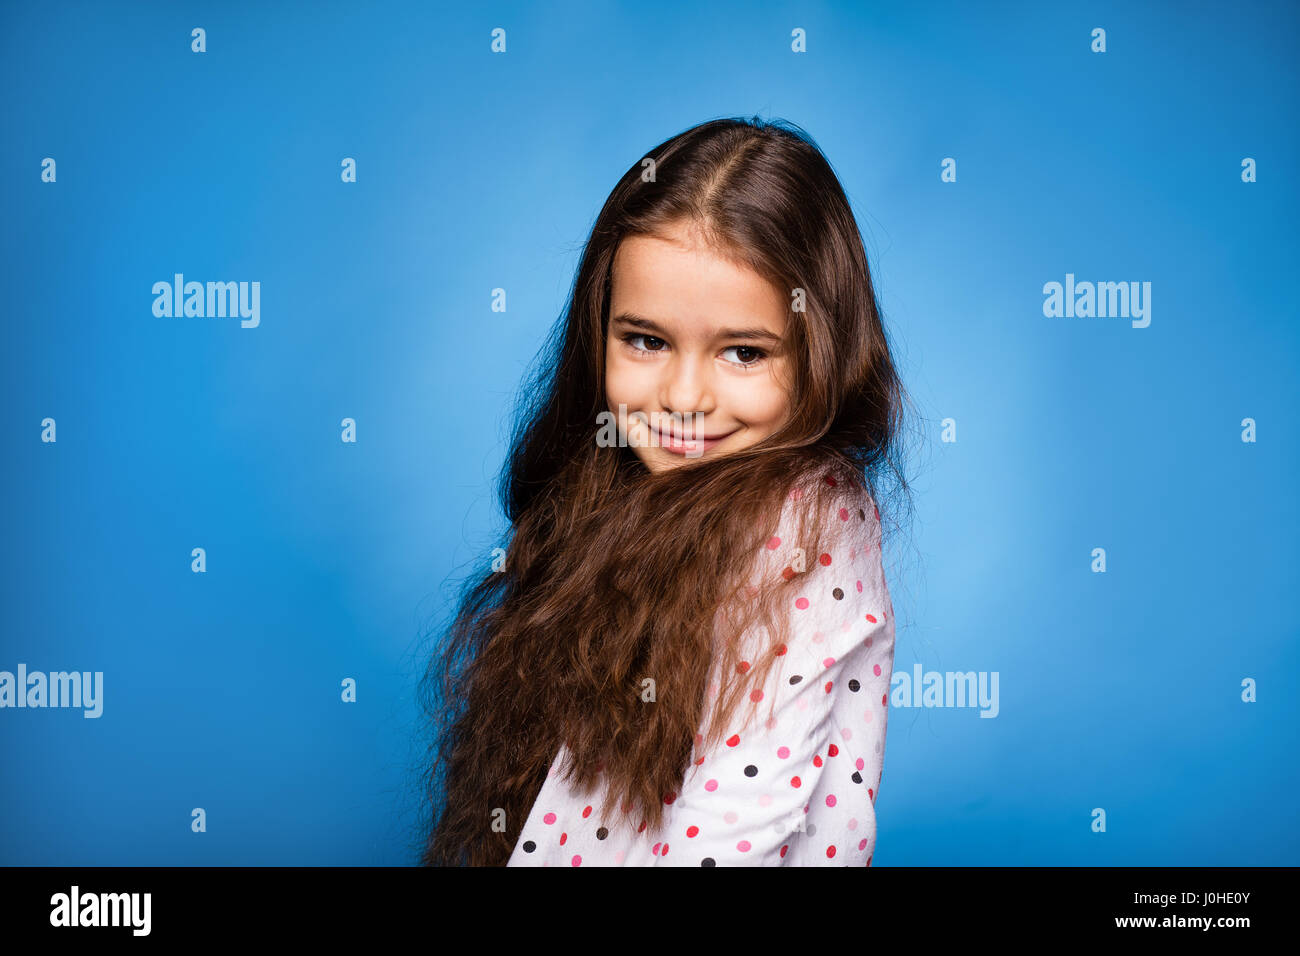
x=690, y=286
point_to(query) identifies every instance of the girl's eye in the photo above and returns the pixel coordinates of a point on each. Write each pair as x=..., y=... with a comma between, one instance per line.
x=748, y=356
x=649, y=338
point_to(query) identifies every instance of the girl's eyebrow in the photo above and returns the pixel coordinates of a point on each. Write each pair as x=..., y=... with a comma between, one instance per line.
x=641, y=322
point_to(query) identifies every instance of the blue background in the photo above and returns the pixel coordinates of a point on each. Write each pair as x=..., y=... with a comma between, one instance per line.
x=477, y=170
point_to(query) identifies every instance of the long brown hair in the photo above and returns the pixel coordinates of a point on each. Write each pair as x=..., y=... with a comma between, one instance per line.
x=615, y=576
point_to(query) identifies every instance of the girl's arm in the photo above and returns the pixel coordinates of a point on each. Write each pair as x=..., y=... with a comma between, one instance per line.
x=799, y=789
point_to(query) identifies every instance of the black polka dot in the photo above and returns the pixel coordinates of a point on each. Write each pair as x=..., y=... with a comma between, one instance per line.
x=857, y=777
x=796, y=678
x=854, y=686
x=708, y=861
x=838, y=594
x=602, y=833
x=529, y=846
x=862, y=514
x=751, y=771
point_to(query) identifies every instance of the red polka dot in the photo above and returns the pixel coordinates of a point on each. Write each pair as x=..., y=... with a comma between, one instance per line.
x=783, y=849
x=788, y=573
x=692, y=831
x=664, y=851
x=773, y=543
x=756, y=695
x=795, y=782
x=831, y=481
x=549, y=819
x=817, y=760
x=862, y=845
x=884, y=701
x=641, y=828
x=828, y=685
x=654, y=850
x=833, y=750
x=743, y=666
x=780, y=650
x=844, y=514
x=825, y=559
x=733, y=740
x=868, y=861
x=564, y=838
x=871, y=793
x=586, y=812
x=669, y=798
x=871, y=618
x=830, y=851
x=801, y=604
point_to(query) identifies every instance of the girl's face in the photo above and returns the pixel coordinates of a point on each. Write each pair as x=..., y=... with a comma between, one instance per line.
x=694, y=350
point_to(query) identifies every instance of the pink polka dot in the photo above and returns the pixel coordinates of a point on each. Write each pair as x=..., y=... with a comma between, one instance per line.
x=756, y=695
x=618, y=857
x=713, y=784
x=801, y=604
x=654, y=850
x=859, y=586
x=765, y=800
x=844, y=515
x=577, y=861
x=853, y=823
x=549, y=818
x=876, y=670
x=743, y=846
x=773, y=543
x=846, y=733
x=782, y=752
x=859, y=763
x=862, y=845
x=827, y=662
x=866, y=718
x=830, y=799
x=731, y=816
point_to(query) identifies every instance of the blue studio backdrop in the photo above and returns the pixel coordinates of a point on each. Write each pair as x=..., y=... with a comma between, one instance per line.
x=237, y=523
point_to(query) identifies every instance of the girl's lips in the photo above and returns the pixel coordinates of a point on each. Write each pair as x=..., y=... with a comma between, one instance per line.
x=683, y=446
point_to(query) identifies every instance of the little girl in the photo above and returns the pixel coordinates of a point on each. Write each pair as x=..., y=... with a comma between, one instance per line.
x=685, y=659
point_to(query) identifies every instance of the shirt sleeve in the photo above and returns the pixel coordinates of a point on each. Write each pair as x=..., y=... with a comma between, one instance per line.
x=798, y=787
